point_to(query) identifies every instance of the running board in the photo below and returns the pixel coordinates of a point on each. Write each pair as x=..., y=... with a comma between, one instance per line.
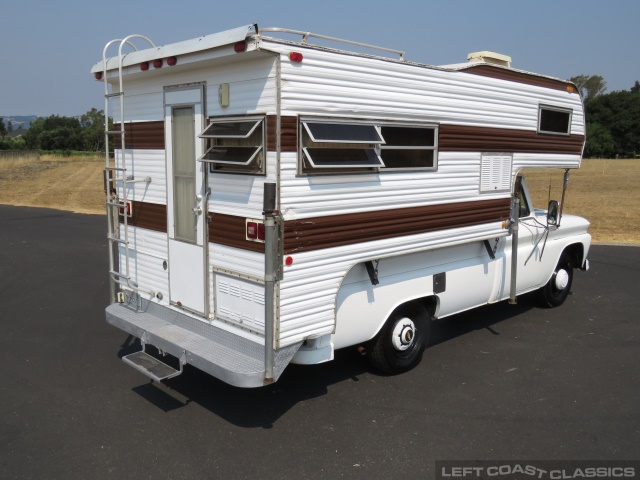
x=151, y=366
x=232, y=358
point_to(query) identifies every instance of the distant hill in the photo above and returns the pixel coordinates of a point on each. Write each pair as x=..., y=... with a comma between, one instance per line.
x=17, y=119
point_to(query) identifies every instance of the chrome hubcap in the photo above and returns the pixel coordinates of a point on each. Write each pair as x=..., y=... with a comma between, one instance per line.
x=562, y=279
x=404, y=334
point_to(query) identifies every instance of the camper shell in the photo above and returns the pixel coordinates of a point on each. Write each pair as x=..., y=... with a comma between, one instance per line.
x=271, y=199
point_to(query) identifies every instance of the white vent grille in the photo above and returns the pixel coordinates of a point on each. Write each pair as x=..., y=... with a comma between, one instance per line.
x=495, y=175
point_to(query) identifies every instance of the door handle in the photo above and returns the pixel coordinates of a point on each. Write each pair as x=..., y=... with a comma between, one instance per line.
x=198, y=209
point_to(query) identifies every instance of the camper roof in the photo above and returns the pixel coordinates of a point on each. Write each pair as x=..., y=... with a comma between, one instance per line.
x=229, y=37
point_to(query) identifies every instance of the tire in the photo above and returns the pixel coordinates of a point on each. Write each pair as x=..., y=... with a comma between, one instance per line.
x=557, y=289
x=399, y=345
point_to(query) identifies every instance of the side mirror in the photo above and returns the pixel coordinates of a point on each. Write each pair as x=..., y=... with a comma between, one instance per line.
x=552, y=213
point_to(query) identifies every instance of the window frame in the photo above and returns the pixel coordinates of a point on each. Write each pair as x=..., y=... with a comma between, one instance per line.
x=424, y=126
x=554, y=108
x=306, y=167
x=255, y=164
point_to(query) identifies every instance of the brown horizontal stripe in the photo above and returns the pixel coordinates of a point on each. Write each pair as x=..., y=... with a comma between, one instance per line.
x=230, y=230
x=518, y=77
x=141, y=135
x=460, y=138
x=148, y=215
x=288, y=133
x=338, y=230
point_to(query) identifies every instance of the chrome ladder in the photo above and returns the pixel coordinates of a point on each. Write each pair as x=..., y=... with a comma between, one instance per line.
x=116, y=180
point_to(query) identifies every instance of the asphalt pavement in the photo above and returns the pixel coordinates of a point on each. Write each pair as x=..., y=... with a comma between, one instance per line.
x=499, y=382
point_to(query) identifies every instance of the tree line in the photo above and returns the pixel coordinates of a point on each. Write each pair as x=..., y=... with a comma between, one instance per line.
x=613, y=119
x=59, y=133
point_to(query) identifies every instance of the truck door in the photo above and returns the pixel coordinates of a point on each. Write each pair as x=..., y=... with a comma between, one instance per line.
x=186, y=200
x=531, y=271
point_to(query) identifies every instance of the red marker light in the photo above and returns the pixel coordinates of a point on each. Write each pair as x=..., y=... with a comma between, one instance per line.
x=252, y=230
x=171, y=61
x=288, y=261
x=98, y=75
x=261, y=231
x=240, y=47
x=157, y=63
x=144, y=66
x=295, y=57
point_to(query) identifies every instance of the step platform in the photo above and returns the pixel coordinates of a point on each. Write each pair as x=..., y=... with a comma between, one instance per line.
x=151, y=366
x=231, y=358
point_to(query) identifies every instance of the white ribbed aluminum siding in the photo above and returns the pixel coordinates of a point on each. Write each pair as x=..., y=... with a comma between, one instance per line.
x=141, y=164
x=326, y=83
x=147, y=252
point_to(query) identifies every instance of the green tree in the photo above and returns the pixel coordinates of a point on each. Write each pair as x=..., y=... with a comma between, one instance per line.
x=600, y=143
x=92, y=123
x=619, y=113
x=589, y=86
x=3, y=129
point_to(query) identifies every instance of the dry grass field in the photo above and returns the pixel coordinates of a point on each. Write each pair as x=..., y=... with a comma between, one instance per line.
x=607, y=192
x=64, y=183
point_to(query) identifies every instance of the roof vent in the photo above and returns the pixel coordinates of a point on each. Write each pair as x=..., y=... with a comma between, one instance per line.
x=490, y=57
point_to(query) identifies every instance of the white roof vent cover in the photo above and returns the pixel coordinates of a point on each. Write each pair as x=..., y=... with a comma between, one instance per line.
x=486, y=56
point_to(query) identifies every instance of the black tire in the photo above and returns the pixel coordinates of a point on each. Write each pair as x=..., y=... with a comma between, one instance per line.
x=555, y=292
x=399, y=345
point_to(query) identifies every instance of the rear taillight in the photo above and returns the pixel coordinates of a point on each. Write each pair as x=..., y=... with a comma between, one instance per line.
x=252, y=230
x=255, y=231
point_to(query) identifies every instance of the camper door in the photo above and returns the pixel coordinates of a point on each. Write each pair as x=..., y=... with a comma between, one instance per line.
x=186, y=199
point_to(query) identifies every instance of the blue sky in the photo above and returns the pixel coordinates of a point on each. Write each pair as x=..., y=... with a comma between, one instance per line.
x=48, y=47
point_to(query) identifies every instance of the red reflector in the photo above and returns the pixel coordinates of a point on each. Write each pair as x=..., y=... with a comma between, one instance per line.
x=240, y=47
x=171, y=61
x=289, y=260
x=157, y=63
x=144, y=66
x=261, y=231
x=252, y=230
x=295, y=57
x=98, y=75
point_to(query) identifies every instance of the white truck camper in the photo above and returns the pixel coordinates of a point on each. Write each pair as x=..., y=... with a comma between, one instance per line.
x=271, y=199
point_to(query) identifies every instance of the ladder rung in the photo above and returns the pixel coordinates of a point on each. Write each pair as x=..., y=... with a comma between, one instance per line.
x=118, y=274
x=119, y=240
x=116, y=204
x=114, y=132
x=109, y=95
x=119, y=169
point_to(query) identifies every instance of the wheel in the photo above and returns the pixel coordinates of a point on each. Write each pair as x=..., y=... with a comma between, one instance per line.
x=399, y=345
x=555, y=292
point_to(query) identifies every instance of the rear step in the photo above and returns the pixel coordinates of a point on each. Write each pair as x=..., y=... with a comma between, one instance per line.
x=151, y=366
x=234, y=359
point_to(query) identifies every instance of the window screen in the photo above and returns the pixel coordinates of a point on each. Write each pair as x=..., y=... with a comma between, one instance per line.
x=554, y=120
x=338, y=147
x=235, y=145
x=328, y=146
